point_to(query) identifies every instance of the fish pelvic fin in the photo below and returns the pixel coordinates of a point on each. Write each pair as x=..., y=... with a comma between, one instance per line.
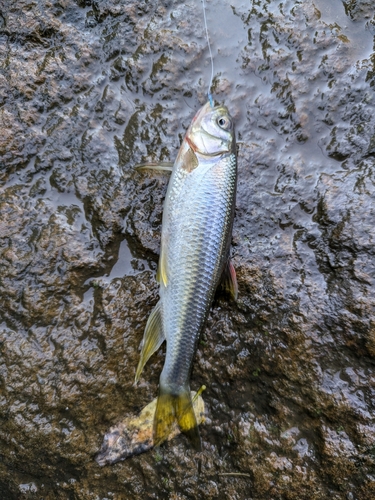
x=152, y=338
x=229, y=280
x=174, y=407
x=161, y=274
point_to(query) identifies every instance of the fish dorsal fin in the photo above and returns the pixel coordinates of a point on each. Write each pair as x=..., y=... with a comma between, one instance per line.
x=152, y=338
x=229, y=280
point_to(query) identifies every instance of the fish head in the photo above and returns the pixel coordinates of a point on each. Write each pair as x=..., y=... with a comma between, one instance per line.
x=211, y=132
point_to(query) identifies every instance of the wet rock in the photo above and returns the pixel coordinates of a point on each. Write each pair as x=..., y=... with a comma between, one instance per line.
x=87, y=90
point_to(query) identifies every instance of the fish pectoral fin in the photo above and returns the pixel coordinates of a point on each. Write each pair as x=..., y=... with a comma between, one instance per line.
x=229, y=280
x=163, y=166
x=161, y=274
x=152, y=338
x=175, y=407
x=188, y=160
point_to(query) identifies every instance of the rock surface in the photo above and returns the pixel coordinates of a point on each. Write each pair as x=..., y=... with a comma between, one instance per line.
x=87, y=90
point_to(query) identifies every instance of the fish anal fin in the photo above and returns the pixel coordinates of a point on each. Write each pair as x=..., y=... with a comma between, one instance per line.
x=152, y=338
x=175, y=407
x=229, y=280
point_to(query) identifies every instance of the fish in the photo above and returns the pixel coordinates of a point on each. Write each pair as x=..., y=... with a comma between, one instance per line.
x=194, y=257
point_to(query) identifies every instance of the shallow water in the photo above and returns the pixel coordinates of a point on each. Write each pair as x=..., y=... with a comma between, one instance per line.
x=88, y=90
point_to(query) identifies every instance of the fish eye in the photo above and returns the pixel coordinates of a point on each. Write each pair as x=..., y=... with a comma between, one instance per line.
x=224, y=123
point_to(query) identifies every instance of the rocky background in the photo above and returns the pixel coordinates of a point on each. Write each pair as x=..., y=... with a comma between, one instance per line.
x=89, y=88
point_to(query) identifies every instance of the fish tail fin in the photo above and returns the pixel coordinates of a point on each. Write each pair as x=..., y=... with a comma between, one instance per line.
x=186, y=418
x=175, y=406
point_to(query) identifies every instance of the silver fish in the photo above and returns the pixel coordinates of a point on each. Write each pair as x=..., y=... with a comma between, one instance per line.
x=196, y=232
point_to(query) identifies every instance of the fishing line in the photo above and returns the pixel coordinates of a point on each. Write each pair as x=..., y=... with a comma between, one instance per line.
x=212, y=59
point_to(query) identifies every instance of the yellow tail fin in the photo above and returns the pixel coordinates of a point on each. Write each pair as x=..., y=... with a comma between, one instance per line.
x=175, y=407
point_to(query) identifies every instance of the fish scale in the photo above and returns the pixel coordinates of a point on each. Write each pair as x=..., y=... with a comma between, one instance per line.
x=196, y=230
x=194, y=282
